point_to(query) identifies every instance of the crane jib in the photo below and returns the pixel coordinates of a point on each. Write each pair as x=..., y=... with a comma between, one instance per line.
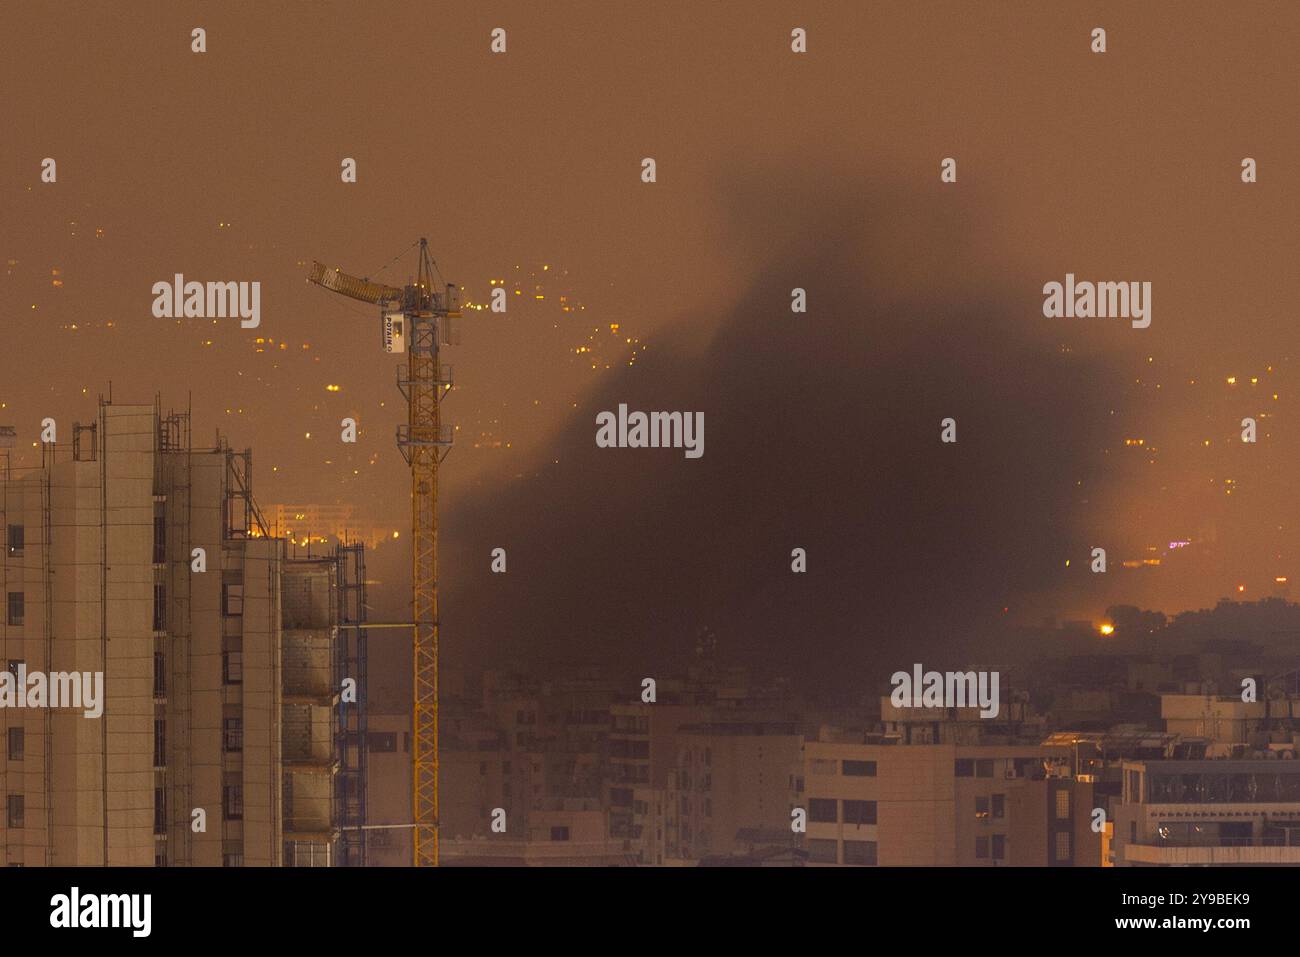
x=338, y=281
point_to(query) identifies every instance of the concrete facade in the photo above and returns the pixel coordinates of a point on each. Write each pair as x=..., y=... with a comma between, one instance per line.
x=102, y=574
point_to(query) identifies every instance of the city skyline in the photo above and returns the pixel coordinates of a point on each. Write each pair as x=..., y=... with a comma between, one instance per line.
x=686, y=435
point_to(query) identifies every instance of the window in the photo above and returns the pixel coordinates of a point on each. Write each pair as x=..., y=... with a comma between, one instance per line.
x=1062, y=845
x=559, y=834
x=981, y=848
x=822, y=852
x=859, y=812
x=232, y=802
x=999, y=847
x=159, y=743
x=859, y=769
x=1062, y=805
x=159, y=607
x=860, y=852
x=823, y=811
x=232, y=860
x=232, y=734
x=232, y=667
x=15, y=810
x=159, y=811
x=999, y=805
x=821, y=766
x=16, y=744
x=16, y=608
x=232, y=599
x=386, y=742
x=984, y=768
x=963, y=768
x=16, y=537
x=159, y=539
x=981, y=808
x=1132, y=832
x=159, y=674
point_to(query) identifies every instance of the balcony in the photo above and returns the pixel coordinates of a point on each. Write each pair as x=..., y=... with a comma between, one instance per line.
x=1237, y=855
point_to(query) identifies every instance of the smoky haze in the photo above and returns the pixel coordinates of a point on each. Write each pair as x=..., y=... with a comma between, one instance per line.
x=822, y=431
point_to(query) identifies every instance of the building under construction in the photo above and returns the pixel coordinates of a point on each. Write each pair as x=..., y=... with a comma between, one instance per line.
x=230, y=732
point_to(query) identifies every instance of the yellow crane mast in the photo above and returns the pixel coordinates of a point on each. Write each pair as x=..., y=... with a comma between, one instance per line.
x=414, y=319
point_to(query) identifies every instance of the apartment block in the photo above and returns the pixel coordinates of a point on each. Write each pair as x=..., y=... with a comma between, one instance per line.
x=871, y=801
x=731, y=780
x=135, y=555
x=1220, y=812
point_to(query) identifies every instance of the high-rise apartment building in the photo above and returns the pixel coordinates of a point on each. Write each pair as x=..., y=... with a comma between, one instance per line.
x=223, y=737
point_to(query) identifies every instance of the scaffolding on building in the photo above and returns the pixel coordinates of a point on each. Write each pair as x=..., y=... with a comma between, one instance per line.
x=350, y=722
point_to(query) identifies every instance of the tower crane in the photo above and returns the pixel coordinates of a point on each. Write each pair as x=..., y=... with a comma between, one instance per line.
x=415, y=320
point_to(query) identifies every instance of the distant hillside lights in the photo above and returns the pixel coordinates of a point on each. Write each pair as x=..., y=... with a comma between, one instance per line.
x=213, y=300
